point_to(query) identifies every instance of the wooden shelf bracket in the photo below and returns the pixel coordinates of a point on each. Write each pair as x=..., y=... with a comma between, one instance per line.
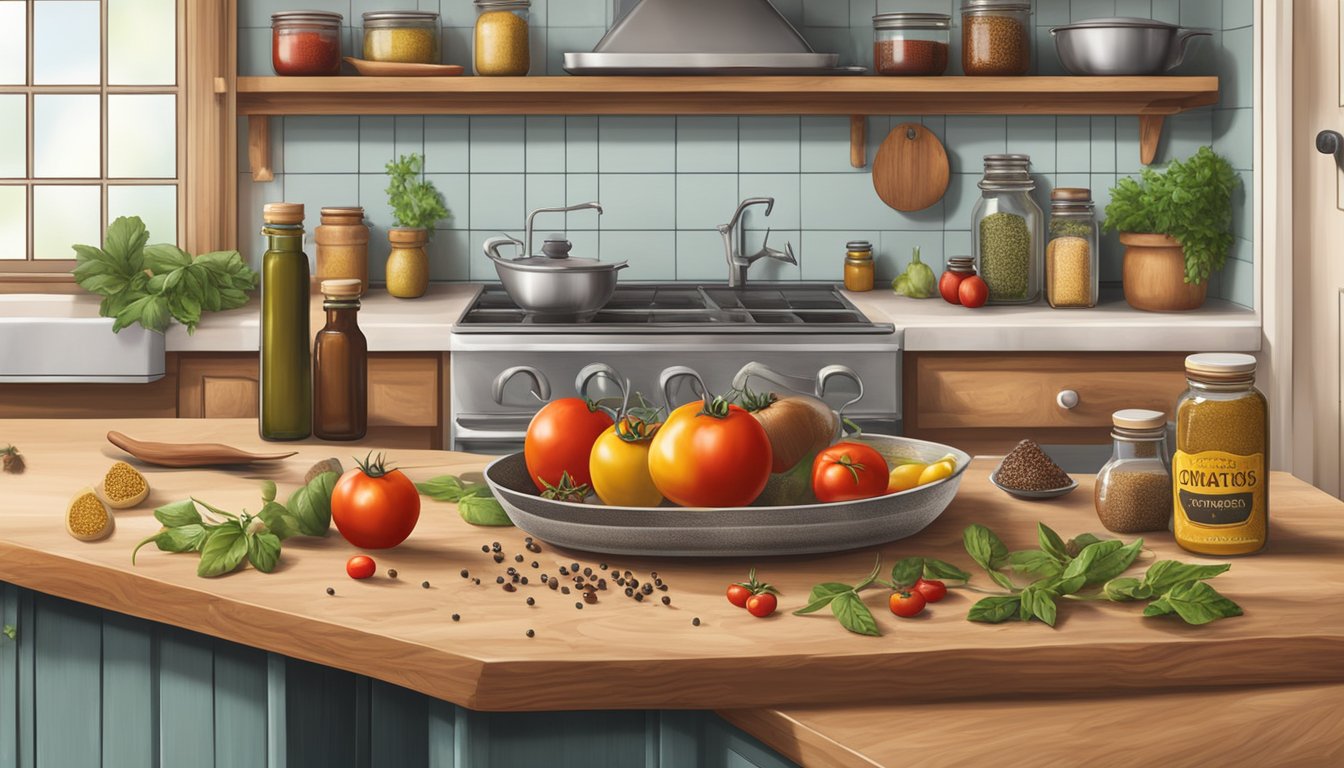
x=858, y=141
x=259, y=147
x=1150, y=135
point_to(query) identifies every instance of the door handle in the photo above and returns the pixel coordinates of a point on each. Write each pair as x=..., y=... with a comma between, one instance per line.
x=1331, y=143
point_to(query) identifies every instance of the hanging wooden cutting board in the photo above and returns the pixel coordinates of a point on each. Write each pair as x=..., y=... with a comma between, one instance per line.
x=911, y=170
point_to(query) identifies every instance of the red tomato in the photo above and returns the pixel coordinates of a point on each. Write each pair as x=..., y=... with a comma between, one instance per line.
x=560, y=439
x=710, y=455
x=907, y=604
x=973, y=292
x=374, y=507
x=762, y=605
x=738, y=595
x=947, y=286
x=931, y=590
x=849, y=471
x=360, y=567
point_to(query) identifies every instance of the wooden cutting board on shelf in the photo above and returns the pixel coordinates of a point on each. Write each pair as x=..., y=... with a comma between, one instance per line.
x=911, y=171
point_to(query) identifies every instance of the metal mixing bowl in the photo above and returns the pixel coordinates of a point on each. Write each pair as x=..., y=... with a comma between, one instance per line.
x=1122, y=46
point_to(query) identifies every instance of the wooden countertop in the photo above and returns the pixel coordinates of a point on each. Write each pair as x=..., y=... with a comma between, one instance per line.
x=623, y=654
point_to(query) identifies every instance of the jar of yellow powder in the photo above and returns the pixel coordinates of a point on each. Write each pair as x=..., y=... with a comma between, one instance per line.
x=500, y=45
x=403, y=37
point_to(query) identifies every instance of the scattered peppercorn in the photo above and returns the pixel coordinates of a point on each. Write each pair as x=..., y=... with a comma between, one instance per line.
x=511, y=570
x=590, y=597
x=603, y=566
x=535, y=564
x=587, y=571
x=499, y=558
x=564, y=571
x=629, y=592
x=639, y=596
x=554, y=584
x=574, y=567
x=545, y=578
x=510, y=588
x=457, y=617
x=564, y=590
x=523, y=580
x=647, y=588
x=530, y=633
x=331, y=591
x=464, y=573
x=531, y=601
x=662, y=587
x=695, y=622
x=391, y=573
x=602, y=584
x=518, y=558
x=475, y=581
x=499, y=579
x=424, y=585
x=485, y=547
x=579, y=606
x=667, y=600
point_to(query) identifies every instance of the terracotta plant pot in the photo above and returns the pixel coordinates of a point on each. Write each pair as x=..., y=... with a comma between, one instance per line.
x=407, y=263
x=1154, y=275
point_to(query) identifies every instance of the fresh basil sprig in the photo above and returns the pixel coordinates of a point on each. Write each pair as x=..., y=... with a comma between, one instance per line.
x=475, y=502
x=845, y=603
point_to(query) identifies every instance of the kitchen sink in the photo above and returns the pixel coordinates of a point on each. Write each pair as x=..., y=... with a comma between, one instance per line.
x=61, y=339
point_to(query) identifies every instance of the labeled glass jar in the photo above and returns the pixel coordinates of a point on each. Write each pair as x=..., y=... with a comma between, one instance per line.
x=1008, y=231
x=343, y=246
x=1072, y=255
x=402, y=37
x=340, y=366
x=500, y=45
x=996, y=37
x=306, y=43
x=1220, y=470
x=1132, y=492
x=858, y=266
x=911, y=43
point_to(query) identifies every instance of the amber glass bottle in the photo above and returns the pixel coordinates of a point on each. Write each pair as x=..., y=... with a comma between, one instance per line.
x=341, y=366
x=286, y=372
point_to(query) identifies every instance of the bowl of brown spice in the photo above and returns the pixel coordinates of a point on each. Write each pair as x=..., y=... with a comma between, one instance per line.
x=1028, y=472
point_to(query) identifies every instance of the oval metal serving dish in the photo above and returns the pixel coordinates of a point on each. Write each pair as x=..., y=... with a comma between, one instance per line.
x=732, y=531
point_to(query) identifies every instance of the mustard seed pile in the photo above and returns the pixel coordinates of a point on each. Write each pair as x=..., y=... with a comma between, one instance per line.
x=86, y=518
x=1028, y=468
x=123, y=482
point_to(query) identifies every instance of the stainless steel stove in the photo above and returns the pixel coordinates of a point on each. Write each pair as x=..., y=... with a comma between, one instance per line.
x=507, y=363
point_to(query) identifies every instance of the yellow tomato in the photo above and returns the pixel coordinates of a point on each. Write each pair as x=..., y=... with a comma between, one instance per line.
x=904, y=477
x=937, y=471
x=620, y=469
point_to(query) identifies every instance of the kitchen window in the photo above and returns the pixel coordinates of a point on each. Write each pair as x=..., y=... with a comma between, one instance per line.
x=91, y=125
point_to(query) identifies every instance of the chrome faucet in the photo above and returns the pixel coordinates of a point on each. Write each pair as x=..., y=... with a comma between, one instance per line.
x=735, y=244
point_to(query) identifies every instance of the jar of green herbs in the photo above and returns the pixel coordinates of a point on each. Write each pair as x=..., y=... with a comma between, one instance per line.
x=1007, y=231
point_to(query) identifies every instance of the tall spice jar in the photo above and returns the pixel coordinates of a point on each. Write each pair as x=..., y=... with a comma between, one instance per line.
x=1132, y=492
x=858, y=266
x=1008, y=231
x=340, y=366
x=500, y=44
x=913, y=44
x=306, y=43
x=286, y=375
x=996, y=37
x=1072, y=253
x=343, y=246
x=1220, y=470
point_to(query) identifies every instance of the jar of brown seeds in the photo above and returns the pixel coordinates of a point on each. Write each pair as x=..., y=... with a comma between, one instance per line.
x=1133, y=490
x=996, y=37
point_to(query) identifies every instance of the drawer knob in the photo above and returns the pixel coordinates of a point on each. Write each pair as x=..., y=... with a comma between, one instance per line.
x=1067, y=399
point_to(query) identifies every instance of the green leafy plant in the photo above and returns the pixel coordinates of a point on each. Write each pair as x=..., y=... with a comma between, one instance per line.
x=415, y=201
x=1190, y=201
x=475, y=503
x=154, y=284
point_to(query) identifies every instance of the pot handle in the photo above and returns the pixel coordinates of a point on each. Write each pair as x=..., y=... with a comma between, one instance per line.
x=593, y=371
x=1180, y=44
x=670, y=375
x=491, y=247
x=797, y=384
x=831, y=371
x=541, y=388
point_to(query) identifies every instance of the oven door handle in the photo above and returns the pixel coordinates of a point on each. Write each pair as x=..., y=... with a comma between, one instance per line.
x=670, y=375
x=541, y=388
x=844, y=371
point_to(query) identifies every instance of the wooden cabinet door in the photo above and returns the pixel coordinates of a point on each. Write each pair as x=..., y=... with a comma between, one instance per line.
x=218, y=386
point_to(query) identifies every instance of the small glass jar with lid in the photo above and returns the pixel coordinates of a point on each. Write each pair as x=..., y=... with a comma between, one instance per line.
x=1008, y=231
x=306, y=43
x=343, y=245
x=996, y=37
x=402, y=37
x=1132, y=492
x=911, y=43
x=858, y=266
x=501, y=45
x=1072, y=251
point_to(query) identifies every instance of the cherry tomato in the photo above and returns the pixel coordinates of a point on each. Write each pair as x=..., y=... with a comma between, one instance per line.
x=360, y=567
x=711, y=455
x=973, y=292
x=738, y=594
x=907, y=604
x=375, y=507
x=560, y=439
x=849, y=471
x=762, y=605
x=931, y=590
x=948, y=285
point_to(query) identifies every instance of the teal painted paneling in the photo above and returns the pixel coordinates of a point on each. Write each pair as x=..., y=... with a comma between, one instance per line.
x=240, y=706
x=442, y=734
x=67, y=639
x=27, y=665
x=9, y=679
x=319, y=715
x=186, y=700
x=130, y=696
x=567, y=739
x=399, y=726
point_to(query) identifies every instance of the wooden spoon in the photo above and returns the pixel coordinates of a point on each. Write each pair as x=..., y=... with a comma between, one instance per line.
x=189, y=454
x=911, y=172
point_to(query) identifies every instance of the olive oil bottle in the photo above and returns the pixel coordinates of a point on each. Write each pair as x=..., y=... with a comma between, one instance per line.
x=286, y=370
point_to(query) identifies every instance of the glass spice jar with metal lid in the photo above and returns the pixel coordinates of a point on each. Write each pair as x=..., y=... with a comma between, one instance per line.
x=996, y=37
x=1008, y=231
x=858, y=266
x=501, y=45
x=1132, y=492
x=1072, y=253
x=911, y=43
x=306, y=43
x=402, y=37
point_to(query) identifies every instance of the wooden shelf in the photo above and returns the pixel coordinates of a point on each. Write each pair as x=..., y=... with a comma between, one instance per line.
x=1151, y=98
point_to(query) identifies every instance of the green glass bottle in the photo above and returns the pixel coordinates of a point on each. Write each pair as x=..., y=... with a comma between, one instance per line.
x=286, y=370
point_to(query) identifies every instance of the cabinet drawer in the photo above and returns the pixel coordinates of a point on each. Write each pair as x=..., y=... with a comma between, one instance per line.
x=954, y=391
x=404, y=391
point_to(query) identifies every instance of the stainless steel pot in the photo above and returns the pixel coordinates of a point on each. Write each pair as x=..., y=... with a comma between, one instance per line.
x=553, y=284
x=1122, y=46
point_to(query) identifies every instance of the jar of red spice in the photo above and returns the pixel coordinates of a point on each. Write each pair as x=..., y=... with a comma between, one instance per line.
x=911, y=43
x=306, y=43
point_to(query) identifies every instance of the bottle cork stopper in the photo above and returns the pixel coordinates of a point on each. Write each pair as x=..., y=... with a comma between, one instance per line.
x=342, y=289
x=282, y=213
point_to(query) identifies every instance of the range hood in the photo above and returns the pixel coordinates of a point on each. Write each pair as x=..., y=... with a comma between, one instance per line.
x=703, y=37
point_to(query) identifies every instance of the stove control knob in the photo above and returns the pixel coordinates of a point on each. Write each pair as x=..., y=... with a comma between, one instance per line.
x=1067, y=399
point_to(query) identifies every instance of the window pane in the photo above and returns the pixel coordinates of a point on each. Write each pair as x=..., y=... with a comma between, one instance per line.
x=66, y=136
x=13, y=43
x=141, y=42
x=13, y=136
x=141, y=136
x=156, y=206
x=13, y=223
x=66, y=42
x=64, y=216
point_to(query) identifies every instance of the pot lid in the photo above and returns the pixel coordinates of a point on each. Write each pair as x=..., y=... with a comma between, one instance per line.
x=1119, y=21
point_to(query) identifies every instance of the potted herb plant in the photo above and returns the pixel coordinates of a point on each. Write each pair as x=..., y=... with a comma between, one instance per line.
x=416, y=207
x=1176, y=226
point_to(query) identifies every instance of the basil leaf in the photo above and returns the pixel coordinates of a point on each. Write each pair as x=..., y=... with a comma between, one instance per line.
x=1113, y=560
x=816, y=605
x=828, y=589
x=164, y=257
x=1165, y=574
x=178, y=513
x=1078, y=544
x=1002, y=580
x=985, y=548
x=940, y=569
x=263, y=551
x=1036, y=602
x=1198, y=603
x=1124, y=590
x=1159, y=607
x=268, y=491
x=1081, y=566
x=311, y=505
x=215, y=510
x=482, y=510
x=279, y=520
x=450, y=488
x=223, y=551
x=1035, y=562
x=854, y=615
x=995, y=610
x=906, y=572
x=1051, y=543
x=126, y=238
